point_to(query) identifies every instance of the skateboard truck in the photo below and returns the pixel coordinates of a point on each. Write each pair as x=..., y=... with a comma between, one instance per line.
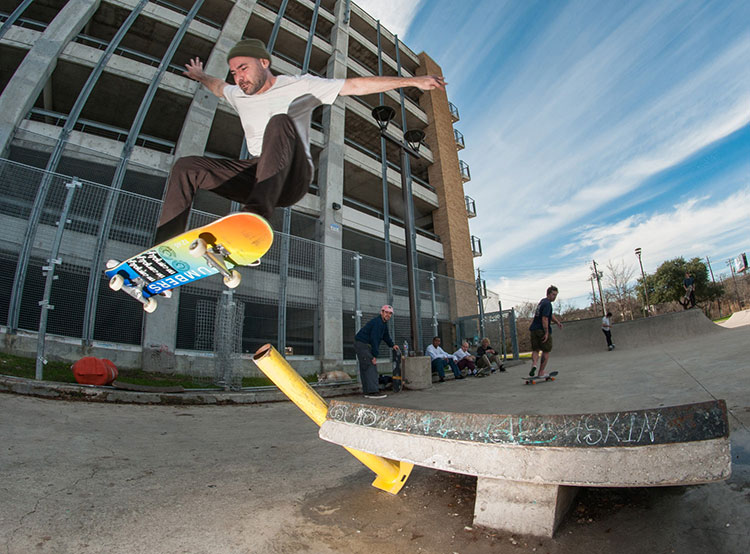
x=215, y=257
x=117, y=282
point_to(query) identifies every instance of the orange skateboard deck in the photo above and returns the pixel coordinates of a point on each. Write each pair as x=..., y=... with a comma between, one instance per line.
x=239, y=239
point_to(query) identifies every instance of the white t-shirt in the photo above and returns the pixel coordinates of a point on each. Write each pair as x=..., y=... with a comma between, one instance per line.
x=435, y=353
x=605, y=323
x=296, y=96
x=460, y=354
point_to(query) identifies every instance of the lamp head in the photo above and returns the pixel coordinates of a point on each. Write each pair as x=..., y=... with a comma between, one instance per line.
x=414, y=138
x=383, y=115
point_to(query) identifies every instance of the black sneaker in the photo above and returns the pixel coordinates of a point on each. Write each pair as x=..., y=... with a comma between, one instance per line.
x=533, y=371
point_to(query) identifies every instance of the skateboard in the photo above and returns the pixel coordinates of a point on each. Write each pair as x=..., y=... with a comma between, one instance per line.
x=234, y=240
x=397, y=380
x=528, y=380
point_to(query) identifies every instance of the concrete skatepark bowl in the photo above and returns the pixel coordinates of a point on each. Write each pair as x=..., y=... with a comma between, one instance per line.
x=529, y=464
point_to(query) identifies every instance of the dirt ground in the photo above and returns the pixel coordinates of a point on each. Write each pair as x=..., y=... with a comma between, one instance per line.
x=433, y=514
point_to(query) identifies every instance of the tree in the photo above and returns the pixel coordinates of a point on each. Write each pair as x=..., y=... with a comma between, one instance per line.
x=666, y=284
x=619, y=291
x=525, y=310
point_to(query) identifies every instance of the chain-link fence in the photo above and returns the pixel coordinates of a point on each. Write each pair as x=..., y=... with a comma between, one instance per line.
x=280, y=300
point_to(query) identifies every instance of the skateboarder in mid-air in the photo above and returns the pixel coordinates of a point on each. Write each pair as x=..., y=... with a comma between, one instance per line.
x=275, y=113
x=541, y=332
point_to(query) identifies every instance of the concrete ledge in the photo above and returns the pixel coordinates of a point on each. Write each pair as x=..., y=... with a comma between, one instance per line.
x=90, y=393
x=525, y=464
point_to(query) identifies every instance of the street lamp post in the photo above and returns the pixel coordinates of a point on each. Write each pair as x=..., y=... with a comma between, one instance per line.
x=383, y=115
x=645, y=287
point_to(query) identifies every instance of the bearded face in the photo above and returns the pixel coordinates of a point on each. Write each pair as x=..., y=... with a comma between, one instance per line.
x=249, y=73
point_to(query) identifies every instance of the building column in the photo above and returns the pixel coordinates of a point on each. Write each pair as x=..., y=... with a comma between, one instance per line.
x=36, y=68
x=331, y=187
x=160, y=328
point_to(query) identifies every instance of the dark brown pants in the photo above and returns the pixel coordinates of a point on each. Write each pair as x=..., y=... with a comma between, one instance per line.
x=279, y=177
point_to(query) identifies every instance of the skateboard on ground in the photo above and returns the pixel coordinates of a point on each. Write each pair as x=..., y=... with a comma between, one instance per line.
x=528, y=380
x=397, y=380
x=483, y=372
x=235, y=240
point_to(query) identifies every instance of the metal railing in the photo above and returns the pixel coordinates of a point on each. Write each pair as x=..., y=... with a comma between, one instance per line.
x=465, y=173
x=101, y=129
x=476, y=246
x=454, y=112
x=458, y=136
x=471, y=206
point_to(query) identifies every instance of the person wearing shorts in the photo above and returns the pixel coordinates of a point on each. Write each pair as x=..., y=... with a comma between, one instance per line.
x=541, y=332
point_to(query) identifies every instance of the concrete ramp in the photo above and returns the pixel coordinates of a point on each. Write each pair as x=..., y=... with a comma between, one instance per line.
x=737, y=319
x=585, y=336
x=528, y=467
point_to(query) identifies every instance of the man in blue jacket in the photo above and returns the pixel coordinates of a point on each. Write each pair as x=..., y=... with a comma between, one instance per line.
x=367, y=346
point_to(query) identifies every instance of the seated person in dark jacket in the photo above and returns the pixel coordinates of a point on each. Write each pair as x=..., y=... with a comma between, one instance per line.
x=486, y=356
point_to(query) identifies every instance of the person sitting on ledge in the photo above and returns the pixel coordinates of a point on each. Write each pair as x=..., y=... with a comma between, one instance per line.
x=440, y=358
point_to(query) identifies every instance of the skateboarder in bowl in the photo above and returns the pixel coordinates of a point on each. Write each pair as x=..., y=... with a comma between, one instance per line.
x=607, y=330
x=275, y=113
x=541, y=332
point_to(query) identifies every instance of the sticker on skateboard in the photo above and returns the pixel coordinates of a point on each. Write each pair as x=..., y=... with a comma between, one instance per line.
x=528, y=380
x=239, y=239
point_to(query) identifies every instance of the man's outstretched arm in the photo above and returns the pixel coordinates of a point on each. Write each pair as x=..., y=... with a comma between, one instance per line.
x=359, y=86
x=194, y=70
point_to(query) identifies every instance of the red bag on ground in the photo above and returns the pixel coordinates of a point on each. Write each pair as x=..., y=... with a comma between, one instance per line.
x=94, y=371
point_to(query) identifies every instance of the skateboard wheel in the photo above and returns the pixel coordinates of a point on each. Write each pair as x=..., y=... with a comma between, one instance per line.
x=111, y=264
x=233, y=281
x=116, y=282
x=197, y=247
x=150, y=305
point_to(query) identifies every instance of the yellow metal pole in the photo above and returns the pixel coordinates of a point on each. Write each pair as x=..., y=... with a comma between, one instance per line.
x=391, y=474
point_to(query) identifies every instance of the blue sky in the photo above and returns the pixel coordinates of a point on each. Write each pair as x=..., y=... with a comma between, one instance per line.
x=593, y=128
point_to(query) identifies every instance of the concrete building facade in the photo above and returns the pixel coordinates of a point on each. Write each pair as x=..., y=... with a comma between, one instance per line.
x=94, y=88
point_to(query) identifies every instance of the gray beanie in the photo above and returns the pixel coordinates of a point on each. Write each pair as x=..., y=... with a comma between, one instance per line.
x=251, y=48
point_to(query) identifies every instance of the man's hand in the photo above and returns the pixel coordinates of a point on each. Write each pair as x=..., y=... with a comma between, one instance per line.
x=546, y=336
x=428, y=82
x=374, y=361
x=194, y=70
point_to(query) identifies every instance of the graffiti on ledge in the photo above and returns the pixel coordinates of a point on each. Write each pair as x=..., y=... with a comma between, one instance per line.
x=692, y=422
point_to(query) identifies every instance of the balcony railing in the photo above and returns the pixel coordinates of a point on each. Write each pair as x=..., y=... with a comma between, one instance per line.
x=471, y=207
x=465, y=173
x=454, y=112
x=476, y=246
x=460, y=144
x=101, y=129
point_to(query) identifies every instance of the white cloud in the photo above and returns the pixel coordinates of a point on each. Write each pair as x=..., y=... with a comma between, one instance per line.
x=394, y=15
x=690, y=229
x=564, y=179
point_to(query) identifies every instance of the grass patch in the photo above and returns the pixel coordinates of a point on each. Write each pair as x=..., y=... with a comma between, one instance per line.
x=61, y=372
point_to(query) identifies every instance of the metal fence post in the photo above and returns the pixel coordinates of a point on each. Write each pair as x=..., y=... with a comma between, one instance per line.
x=502, y=330
x=434, y=305
x=283, y=280
x=50, y=277
x=513, y=333
x=357, y=307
